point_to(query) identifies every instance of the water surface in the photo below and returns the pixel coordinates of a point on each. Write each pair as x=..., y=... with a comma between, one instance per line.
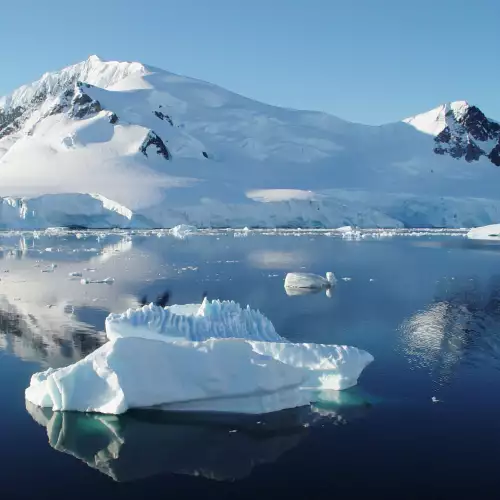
x=427, y=308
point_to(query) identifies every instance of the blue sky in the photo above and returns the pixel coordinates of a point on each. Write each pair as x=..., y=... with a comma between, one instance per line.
x=369, y=61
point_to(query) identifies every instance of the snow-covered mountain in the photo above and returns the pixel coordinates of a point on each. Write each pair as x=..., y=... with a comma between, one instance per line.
x=102, y=144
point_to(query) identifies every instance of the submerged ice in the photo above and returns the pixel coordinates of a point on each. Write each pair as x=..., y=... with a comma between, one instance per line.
x=214, y=356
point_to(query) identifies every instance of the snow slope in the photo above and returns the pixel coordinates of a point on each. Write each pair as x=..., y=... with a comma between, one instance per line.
x=172, y=150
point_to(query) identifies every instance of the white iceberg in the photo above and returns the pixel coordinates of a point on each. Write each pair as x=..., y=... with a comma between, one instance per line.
x=210, y=357
x=491, y=232
x=182, y=231
x=309, y=280
x=107, y=281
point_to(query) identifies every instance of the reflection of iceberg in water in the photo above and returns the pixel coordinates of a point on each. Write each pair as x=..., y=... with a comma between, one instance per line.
x=294, y=292
x=145, y=443
x=341, y=407
x=225, y=447
x=463, y=324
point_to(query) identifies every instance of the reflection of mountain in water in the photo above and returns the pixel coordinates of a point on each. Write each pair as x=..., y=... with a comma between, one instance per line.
x=462, y=325
x=46, y=314
x=145, y=443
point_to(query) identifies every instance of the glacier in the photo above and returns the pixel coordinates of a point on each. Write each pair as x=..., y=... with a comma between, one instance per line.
x=214, y=356
x=104, y=144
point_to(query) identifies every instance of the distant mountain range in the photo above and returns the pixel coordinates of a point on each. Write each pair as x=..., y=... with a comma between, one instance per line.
x=105, y=144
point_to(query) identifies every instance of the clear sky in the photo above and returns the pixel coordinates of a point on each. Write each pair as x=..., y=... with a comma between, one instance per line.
x=369, y=61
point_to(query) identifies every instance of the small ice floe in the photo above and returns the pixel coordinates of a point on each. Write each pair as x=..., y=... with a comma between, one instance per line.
x=49, y=269
x=189, y=268
x=491, y=232
x=75, y=274
x=241, y=233
x=434, y=399
x=86, y=281
x=294, y=292
x=371, y=279
x=309, y=280
x=346, y=278
x=182, y=231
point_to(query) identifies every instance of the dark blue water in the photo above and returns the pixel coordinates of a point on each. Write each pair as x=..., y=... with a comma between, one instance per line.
x=427, y=308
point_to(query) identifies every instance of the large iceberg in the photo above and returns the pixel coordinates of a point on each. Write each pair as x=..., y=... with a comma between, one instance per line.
x=210, y=357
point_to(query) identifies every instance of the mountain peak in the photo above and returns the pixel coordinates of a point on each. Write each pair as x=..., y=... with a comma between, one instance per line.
x=434, y=121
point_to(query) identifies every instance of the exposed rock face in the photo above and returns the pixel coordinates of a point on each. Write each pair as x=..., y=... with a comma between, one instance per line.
x=152, y=139
x=463, y=131
x=11, y=120
x=163, y=116
x=494, y=156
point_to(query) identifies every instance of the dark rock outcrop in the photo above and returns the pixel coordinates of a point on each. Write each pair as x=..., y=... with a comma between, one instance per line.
x=163, y=116
x=494, y=156
x=462, y=132
x=83, y=106
x=152, y=139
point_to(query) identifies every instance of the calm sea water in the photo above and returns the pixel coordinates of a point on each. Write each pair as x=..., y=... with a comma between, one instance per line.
x=427, y=308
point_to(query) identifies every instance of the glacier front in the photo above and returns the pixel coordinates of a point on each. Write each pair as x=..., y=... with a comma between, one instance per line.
x=214, y=356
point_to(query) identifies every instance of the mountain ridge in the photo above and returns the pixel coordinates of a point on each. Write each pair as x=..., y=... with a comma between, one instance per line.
x=173, y=149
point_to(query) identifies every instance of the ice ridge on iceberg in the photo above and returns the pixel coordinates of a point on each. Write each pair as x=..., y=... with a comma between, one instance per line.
x=210, y=357
x=195, y=322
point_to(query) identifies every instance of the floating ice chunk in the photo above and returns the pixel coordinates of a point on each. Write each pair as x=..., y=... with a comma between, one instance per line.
x=86, y=281
x=309, y=280
x=210, y=357
x=135, y=372
x=75, y=274
x=294, y=292
x=211, y=319
x=182, y=231
x=344, y=229
x=241, y=233
x=49, y=269
x=491, y=232
x=231, y=375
